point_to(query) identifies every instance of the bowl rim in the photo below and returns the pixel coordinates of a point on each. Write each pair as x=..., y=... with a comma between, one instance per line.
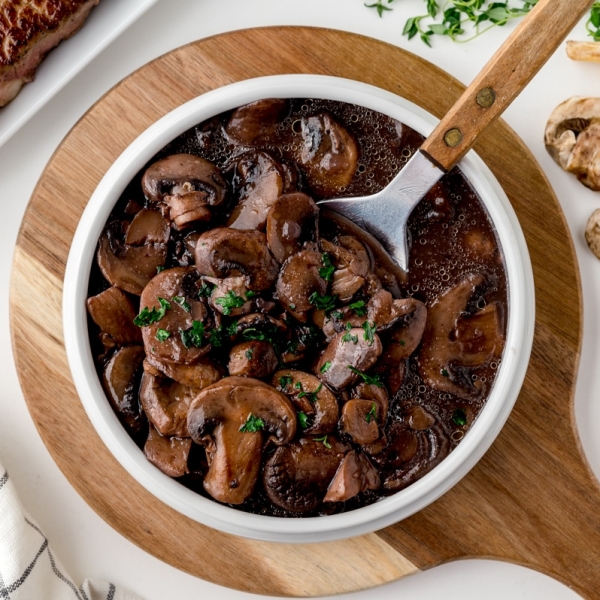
x=509, y=378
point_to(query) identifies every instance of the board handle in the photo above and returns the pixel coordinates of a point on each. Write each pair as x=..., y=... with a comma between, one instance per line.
x=511, y=68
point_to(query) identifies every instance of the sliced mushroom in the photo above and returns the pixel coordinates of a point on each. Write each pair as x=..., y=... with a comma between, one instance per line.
x=298, y=280
x=166, y=403
x=352, y=264
x=256, y=121
x=169, y=454
x=230, y=296
x=347, y=351
x=188, y=208
x=220, y=419
x=360, y=420
x=261, y=179
x=355, y=474
x=224, y=252
x=184, y=173
x=120, y=380
x=113, y=311
x=297, y=475
x=175, y=337
x=201, y=374
x=252, y=359
x=573, y=139
x=415, y=446
x=130, y=266
x=374, y=393
x=291, y=221
x=329, y=154
x=479, y=337
x=311, y=397
x=405, y=333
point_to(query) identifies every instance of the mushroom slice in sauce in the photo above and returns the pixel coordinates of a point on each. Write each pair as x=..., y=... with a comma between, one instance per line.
x=291, y=221
x=183, y=173
x=355, y=474
x=166, y=403
x=201, y=374
x=329, y=154
x=296, y=476
x=311, y=397
x=130, y=266
x=120, y=380
x=223, y=252
x=113, y=311
x=360, y=420
x=178, y=335
x=298, y=280
x=252, y=359
x=347, y=351
x=479, y=337
x=256, y=121
x=231, y=420
x=261, y=179
x=187, y=208
x=352, y=264
x=230, y=296
x=169, y=454
x=443, y=359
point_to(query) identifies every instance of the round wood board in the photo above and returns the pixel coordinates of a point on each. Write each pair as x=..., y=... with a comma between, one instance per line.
x=531, y=500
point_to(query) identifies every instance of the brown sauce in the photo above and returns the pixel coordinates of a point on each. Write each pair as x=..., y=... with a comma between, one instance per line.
x=451, y=239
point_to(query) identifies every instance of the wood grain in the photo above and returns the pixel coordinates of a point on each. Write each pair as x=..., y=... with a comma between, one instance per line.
x=532, y=499
x=507, y=73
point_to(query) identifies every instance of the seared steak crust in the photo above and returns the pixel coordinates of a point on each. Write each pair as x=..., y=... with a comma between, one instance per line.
x=29, y=29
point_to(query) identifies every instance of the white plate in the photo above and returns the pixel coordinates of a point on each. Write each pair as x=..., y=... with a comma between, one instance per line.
x=106, y=21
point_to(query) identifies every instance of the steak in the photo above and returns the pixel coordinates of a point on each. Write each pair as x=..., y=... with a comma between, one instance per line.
x=29, y=29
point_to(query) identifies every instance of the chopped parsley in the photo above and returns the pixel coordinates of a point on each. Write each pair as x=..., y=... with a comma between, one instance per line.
x=206, y=290
x=182, y=302
x=159, y=269
x=325, y=303
x=445, y=373
x=312, y=396
x=250, y=294
x=324, y=440
x=149, y=316
x=249, y=353
x=293, y=306
x=267, y=333
x=347, y=337
x=285, y=380
x=216, y=337
x=372, y=414
x=303, y=420
x=193, y=336
x=230, y=301
x=337, y=314
x=359, y=308
x=370, y=379
x=326, y=272
x=325, y=367
x=252, y=424
x=233, y=328
x=298, y=385
x=402, y=343
x=162, y=335
x=369, y=331
x=459, y=417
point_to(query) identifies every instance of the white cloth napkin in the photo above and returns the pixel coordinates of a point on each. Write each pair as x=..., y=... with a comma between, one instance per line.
x=29, y=570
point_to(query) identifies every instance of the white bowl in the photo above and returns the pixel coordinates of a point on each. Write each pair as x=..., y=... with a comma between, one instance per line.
x=480, y=436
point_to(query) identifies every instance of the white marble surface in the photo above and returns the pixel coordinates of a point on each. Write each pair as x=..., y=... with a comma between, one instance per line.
x=87, y=546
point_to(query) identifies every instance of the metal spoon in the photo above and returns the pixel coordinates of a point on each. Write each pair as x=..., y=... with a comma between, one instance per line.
x=520, y=57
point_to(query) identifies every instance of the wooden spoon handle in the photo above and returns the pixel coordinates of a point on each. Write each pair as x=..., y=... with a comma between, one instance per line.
x=510, y=69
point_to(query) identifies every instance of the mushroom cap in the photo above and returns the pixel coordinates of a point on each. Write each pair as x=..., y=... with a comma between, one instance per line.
x=572, y=138
x=169, y=454
x=252, y=359
x=167, y=176
x=254, y=121
x=222, y=252
x=215, y=419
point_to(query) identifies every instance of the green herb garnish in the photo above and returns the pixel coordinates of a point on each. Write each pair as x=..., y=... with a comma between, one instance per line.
x=285, y=380
x=347, y=337
x=369, y=331
x=325, y=303
x=181, y=301
x=593, y=23
x=370, y=379
x=159, y=269
x=249, y=353
x=193, y=336
x=325, y=367
x=216, y=337
x=359, y=308
x=162, y=335
x=445, y=373
x=232, y=329
x=149, y=316
x=326, y=272
x=230, y=301
x=372, y=414
x=324, y=440
x=303, y=420
x=206, y=290
x=459, y=417
x=252, y=424
x=312, y=396
x=337, y=314
x=250, y=294
x=298, y=385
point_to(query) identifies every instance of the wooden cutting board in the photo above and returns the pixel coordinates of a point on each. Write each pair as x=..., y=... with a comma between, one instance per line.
x=531, y=500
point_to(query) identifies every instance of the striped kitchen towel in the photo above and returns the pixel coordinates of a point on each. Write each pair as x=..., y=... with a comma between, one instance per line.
x=29, y=570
